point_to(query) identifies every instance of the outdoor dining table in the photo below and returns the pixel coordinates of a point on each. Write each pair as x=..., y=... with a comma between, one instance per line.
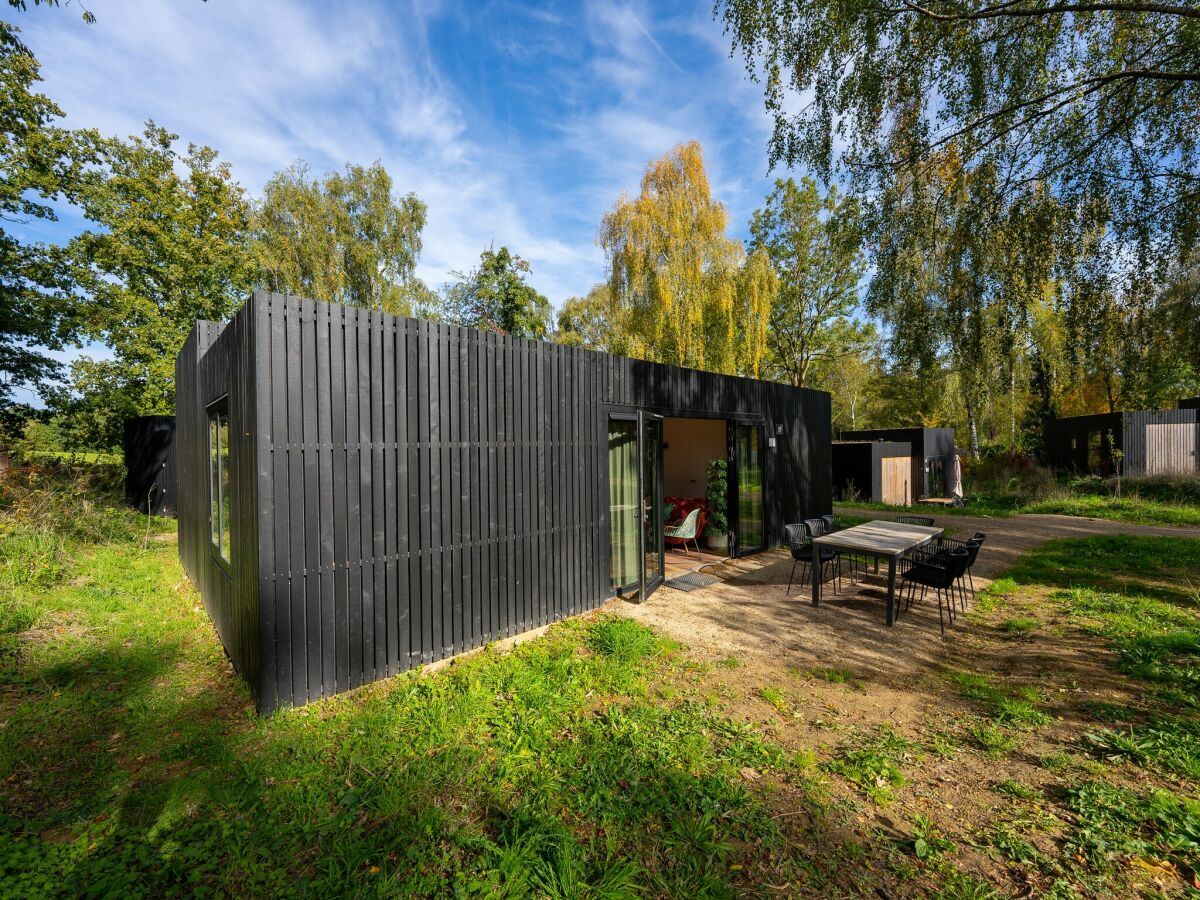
x=881, y=540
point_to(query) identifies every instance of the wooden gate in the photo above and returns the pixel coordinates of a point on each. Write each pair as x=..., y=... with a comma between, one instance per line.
x=895, y=472
x=1170, y=449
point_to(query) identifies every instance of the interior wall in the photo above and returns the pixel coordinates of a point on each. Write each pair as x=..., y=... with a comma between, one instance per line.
x=689, y=445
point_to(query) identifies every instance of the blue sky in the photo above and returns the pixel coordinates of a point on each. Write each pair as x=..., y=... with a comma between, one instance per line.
x=517, y=123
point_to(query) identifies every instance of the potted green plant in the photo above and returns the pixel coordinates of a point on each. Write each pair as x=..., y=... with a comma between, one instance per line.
x=716, y=531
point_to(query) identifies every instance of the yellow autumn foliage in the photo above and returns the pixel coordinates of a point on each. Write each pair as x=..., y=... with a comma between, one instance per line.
x=687, y=293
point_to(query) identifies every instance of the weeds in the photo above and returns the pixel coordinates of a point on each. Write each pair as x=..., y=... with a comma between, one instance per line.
x=775, y=697
x=874, y=764
x=993, y=741
x=927, y=841
x=1019, y=628
x=1017, y=708
x=1015, y=789
x=1007, y=840
x=47, y=515
x=1166, y=744
x=1115, y=821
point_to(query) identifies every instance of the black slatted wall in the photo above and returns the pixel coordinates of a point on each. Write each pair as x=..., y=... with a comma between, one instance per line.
x=423, y=489
x=148, y=446
x=218, y=362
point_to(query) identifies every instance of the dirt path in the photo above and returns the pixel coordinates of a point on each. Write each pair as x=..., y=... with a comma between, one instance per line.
x=750, y=613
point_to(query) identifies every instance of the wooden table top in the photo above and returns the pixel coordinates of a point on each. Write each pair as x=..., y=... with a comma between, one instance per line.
x=881, y=538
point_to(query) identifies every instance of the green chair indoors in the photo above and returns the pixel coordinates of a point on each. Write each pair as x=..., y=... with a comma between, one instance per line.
x=685, y=531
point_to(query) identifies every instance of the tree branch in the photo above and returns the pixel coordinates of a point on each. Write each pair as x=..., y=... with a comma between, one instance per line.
x=1004, y=10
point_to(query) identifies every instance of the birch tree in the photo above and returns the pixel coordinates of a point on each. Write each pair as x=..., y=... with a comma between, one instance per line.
x=685, y=291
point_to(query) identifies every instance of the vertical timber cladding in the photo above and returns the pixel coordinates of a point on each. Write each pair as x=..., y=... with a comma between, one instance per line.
x=423, y=489
x=405, y=490
x=1161, y=442
x=216, y=365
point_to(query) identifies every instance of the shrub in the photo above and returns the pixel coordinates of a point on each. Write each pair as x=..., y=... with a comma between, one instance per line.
x=48, y=512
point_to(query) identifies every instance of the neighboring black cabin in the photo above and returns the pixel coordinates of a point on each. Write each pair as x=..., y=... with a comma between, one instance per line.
x=1152, y=442
x=361, y=494
x=150, y=477
x=1190, y=403
x=868, y=470
x=933, y=453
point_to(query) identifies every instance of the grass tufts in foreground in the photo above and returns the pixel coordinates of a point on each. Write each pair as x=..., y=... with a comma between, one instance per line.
x=131, y=763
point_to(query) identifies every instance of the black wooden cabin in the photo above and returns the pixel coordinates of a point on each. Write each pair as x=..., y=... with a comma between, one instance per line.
x=1150, y=442
x=360, y=494
x=148, y=445
x=933, y=452
x=877, y=471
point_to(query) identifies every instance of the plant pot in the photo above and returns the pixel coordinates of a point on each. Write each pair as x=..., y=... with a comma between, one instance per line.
x=717, y=542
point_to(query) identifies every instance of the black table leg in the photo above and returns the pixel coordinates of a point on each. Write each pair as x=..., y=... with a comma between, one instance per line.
x=891, y=601
x=816, y=574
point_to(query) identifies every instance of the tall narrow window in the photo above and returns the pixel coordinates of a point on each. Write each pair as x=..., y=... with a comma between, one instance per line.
x=218, y=482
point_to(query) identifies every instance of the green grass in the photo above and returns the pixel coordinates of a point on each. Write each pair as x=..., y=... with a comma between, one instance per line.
x=874, y=763
x=1145, y=501
x=1132, y=510
x=550, y=770
x=132, y=763
x=1137, y=595
x=1112, y=821
x=1006, y=707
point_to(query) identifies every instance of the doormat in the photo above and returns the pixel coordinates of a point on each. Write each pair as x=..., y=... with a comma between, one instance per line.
x=691, y=581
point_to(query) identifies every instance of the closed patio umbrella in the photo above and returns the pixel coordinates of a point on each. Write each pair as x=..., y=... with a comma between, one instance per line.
x=956, y=486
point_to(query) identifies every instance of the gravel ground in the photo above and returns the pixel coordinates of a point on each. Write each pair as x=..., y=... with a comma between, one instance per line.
x=751, y=614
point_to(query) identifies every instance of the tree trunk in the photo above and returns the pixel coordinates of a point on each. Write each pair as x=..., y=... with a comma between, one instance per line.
x=972, y=430
x=1108, y=389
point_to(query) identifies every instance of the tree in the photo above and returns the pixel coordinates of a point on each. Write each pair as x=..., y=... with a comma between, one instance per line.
x=1085, y=99
x=344, y=238
x=1011, y=153
x=87, y=15
x=587, y=322
x=851, y=377
x=495, y=296
x=677, y=280
x=39, y=162
x=814, y=247
x=173, y=246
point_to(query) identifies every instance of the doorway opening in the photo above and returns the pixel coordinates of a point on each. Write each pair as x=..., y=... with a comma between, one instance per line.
x=662, y=517
x=689, y=446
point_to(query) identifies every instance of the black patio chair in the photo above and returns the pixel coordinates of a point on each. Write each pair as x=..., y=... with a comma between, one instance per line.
x=971, y=546
x=938, y=569
x=800, y=537
x=834, y=523
x=927, y=521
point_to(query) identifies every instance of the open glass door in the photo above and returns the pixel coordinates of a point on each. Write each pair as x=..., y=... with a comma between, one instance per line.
x=635, y=504
x=653, y=548
x=623, y=506
x=748, y=503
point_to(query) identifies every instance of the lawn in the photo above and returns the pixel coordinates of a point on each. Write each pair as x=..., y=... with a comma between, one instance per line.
x=1148, y=501
x=1053, y=749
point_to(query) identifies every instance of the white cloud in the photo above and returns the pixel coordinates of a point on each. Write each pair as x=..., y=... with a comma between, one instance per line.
x=529, y=154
